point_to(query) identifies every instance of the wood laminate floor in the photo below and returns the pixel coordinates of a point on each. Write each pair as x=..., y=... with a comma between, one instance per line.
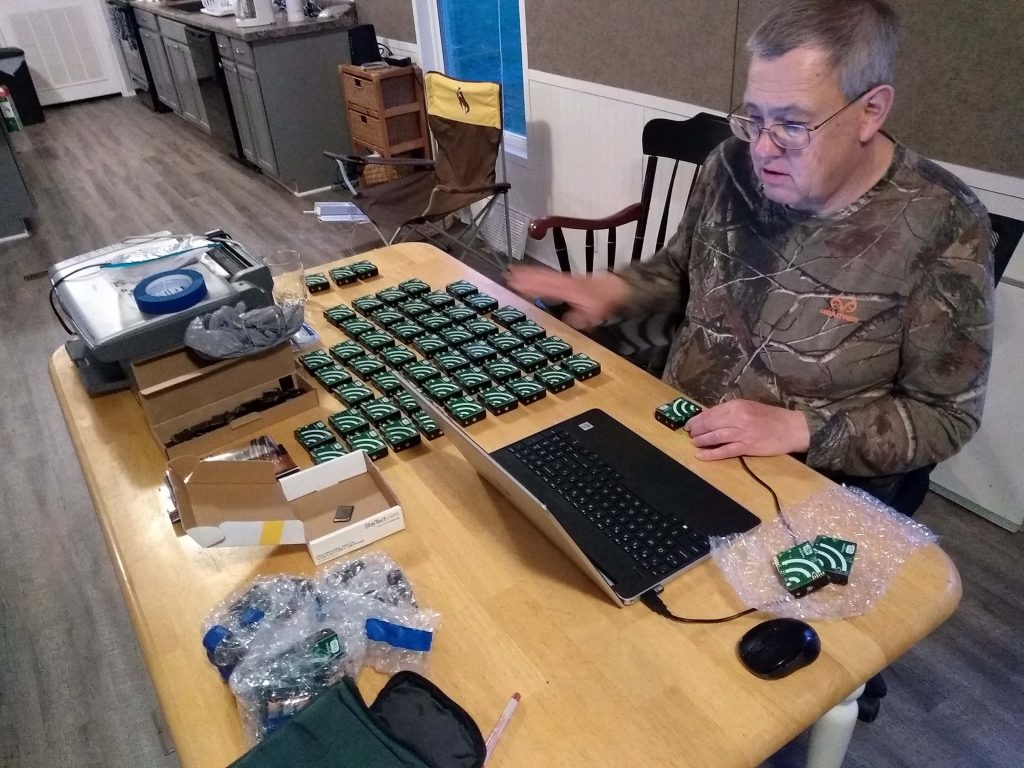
x=74, y=692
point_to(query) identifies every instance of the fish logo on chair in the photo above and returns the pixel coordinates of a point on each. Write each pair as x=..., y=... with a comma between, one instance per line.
x=462, y=100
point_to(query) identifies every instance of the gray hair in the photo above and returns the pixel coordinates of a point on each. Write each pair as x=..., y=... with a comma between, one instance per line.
x=860, y=38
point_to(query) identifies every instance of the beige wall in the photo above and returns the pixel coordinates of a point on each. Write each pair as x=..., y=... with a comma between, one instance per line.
x=390, y=18
x=960, y=81
x=960, y=84
x=678, y=49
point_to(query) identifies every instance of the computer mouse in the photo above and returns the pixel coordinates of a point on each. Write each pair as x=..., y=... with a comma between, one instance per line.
x=779, y=647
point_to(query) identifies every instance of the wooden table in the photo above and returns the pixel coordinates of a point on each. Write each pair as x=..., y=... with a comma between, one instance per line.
x=600, y=685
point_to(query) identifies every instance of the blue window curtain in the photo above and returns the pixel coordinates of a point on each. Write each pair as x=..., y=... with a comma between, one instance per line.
x=482, y=40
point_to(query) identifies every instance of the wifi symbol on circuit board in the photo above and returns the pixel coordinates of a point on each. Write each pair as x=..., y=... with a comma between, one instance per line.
x=834, y=559
x=463, y=408
x=401, y=431
x=443, y=389
x=798, y=571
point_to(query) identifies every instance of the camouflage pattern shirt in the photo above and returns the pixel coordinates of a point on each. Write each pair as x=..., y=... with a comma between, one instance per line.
x=875, y=321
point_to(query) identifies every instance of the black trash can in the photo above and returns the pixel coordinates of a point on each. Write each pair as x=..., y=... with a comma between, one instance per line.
x=15, y=75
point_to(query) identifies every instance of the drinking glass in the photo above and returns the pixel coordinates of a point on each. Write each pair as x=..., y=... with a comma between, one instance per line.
x=289, y=278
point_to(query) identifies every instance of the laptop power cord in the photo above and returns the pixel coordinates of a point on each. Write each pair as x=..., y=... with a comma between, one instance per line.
x=653, y=600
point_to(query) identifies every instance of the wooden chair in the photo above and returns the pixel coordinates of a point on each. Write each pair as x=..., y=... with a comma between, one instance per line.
x=1006, y=234
x=666, y=144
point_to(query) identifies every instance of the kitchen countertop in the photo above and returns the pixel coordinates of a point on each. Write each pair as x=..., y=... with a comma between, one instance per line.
x=226, y=25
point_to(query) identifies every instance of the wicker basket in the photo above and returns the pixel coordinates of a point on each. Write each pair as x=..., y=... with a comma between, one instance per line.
x=378, y=174
x=384, y=133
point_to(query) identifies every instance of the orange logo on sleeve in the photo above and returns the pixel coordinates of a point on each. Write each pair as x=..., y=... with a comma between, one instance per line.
x=842, y=308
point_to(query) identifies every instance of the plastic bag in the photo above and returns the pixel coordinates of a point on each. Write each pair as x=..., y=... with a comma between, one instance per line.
x=885, y=540
x=230, y=332
x=231, y=627
x=284, y=639
x=399, y=633
x=292, y=662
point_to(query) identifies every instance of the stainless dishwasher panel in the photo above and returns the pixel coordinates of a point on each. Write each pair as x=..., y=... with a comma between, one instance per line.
x=213, y=92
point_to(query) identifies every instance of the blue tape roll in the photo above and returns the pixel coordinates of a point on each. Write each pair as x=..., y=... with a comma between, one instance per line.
x=171, y=291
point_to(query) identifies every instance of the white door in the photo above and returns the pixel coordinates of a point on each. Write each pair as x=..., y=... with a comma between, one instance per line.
x=67, y=44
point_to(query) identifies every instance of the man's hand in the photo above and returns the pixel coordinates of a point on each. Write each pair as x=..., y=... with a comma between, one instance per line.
x=746, y=428
x=592, y=299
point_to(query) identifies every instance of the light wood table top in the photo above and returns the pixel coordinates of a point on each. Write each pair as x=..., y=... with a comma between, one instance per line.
x=600, y=685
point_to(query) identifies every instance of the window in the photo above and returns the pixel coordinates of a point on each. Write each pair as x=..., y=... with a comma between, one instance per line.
x=482, y=40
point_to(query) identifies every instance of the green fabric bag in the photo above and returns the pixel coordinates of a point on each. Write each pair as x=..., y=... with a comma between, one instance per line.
x=334, y=731
x=412, y=724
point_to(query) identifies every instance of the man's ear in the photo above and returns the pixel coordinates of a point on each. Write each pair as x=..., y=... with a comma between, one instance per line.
x=877, y=106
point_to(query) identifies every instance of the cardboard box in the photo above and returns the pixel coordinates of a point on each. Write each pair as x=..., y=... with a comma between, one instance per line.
x=242, y=503
x=178, y=390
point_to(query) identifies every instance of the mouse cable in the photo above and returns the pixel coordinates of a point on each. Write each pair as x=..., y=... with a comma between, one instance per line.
x=775, y=497
x=652, y=600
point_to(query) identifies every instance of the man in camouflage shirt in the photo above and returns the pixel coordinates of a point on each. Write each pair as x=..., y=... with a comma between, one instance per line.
x=838, y=287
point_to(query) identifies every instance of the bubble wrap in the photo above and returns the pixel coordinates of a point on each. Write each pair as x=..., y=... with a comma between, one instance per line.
x=289, y=663
x=233, y=625
x=377, y=588
x=281, y=640
x=885, y=541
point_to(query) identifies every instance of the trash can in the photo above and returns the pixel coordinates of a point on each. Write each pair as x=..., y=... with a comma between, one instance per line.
x=15, y=75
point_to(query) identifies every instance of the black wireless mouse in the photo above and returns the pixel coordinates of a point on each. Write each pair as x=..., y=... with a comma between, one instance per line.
x=778, y=647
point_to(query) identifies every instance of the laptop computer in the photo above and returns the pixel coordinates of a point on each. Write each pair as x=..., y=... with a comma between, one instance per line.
x=627, y=514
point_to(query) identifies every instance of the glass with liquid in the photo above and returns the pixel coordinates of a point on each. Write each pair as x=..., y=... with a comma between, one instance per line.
x=289, y=278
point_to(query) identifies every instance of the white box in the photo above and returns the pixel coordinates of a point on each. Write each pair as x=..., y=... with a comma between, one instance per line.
x=242, y=503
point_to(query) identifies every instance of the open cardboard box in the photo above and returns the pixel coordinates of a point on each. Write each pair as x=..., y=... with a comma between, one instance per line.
x=178, y=390
x=241, y=503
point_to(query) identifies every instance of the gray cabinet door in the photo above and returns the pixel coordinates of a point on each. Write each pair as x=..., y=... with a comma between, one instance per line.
x=258, y=119
x=239, y=110
x=160, y=67
x=188, y=102
x=133, y=60
x=192, y=78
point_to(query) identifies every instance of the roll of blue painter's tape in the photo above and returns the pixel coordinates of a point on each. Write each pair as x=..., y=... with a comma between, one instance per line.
x=171, y=291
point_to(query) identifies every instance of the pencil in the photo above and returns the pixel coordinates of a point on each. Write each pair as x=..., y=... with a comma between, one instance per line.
x=499, y=727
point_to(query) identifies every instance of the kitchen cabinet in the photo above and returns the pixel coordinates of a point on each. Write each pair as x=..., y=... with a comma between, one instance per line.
x=182, y=71
x=238, y=108
x=287, y=104
x=282, y=81
x=256, y=112
x=186, y=83
x=985, y=476
x=160, y=67
x=248, y=107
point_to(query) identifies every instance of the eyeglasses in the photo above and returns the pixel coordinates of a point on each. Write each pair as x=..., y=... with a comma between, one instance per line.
x=785, y=135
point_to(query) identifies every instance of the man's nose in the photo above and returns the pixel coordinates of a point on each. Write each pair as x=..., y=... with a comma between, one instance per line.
x=765, y=147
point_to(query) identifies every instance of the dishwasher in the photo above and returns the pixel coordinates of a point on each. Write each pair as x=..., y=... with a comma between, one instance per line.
x=213, y=90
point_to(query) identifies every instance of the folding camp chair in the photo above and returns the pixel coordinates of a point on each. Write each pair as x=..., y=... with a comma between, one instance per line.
x=465, y=119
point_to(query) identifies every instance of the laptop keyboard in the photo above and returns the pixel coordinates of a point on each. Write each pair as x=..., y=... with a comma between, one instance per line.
x=660, y=544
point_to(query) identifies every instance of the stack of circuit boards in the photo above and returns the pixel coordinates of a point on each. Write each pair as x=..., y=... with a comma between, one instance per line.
x=457, y=346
